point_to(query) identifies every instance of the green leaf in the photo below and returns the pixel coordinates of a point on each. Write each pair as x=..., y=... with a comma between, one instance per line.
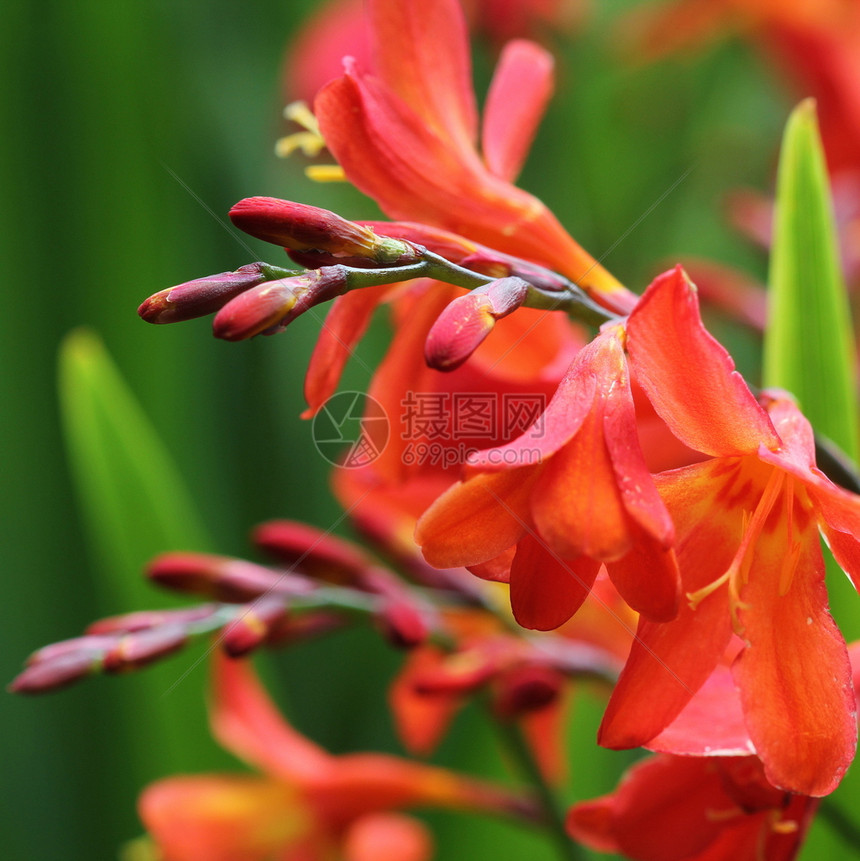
x=134, y=506
x=809, y=345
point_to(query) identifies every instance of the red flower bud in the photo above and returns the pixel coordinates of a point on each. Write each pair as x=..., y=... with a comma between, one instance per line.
x=144, y=619
x=140, y=648
x=526, y=688
x=465, y=323
x=59, y=671
x=320, y=555
x=269, y=307
x=222, y=577
x=260, y=621
x=200, y=297
x=302, y=228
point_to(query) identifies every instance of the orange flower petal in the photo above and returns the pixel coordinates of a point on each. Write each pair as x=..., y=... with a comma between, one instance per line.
x=387, y=837
x=247, y=723
x=521, y=87
x=345, y=324
x=545, y=589
x=689, y=377
x=477, y=520
x=421, y=52
x=795, y=676
x=670, y=661
x=222, y=818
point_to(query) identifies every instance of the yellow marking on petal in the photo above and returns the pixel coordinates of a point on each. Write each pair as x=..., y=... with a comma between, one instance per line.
x=325, y=173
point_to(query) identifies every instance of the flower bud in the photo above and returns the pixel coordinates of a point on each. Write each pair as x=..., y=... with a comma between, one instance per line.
x=465, y=323
x=140, y=648
x=302, y=228
x=268, y=307
x=526, y=688
x=256, y=624
x=320, y=554
x=57, y=672
x=92, y=645
x=143, y=619
x=223, y=578
x=200, y=297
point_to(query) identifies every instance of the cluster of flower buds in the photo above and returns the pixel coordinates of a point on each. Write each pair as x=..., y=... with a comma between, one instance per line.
x=255, y=299
x=404, y=619
x=113, y=645
x=341, y=255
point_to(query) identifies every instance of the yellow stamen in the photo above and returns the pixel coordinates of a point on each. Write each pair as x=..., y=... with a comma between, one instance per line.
x=311, y=145
x=310, y=141
x=737, y=574
x=325, y=173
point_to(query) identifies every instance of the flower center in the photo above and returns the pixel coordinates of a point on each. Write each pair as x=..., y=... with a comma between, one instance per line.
x=737, y=574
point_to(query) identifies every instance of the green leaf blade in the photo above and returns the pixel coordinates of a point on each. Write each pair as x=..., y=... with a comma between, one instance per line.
x=134, y=505
x=809, y=344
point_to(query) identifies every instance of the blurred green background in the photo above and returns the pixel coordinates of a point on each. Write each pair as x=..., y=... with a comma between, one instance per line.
x=128, y=130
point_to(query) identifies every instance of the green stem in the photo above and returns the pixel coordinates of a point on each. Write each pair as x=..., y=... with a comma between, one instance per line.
x=553, y=811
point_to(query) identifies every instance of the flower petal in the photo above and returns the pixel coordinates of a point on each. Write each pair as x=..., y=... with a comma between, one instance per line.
x=711, y=724
x=560, y=421
x=647, y=577
x=689, y=377
x=545, y=589
x=247, y=723
x=345, y=324
x=576, y=504
x=387, y=837
x=658, y=811
x=794, y=676
x=669, y=662
x=477, y=520
x=421, y=718
x=421, y=52
x=222, y=818
x=521, y=87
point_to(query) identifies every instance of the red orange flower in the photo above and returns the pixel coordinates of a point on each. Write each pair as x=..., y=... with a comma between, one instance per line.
x=679, y=808
x=571, y=493
x=747, y=522
x=309, y=805
x=406, y=136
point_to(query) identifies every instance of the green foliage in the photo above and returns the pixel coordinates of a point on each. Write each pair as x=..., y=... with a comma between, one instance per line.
x=809, y=347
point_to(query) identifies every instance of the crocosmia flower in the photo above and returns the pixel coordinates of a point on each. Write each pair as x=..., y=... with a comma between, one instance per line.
x=405, y=133
x=747, y=521
x=570, y=493
x=680, y=808
x=307, y=805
